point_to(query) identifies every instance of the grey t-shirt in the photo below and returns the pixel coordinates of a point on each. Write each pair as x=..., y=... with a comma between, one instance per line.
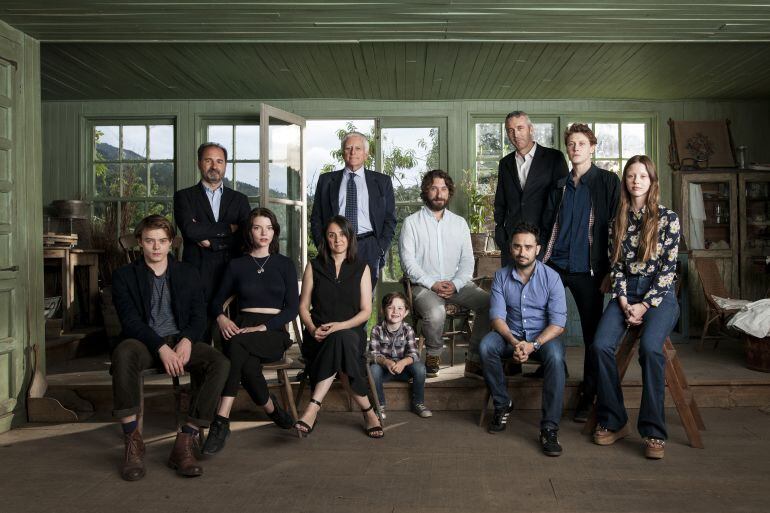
x=161, y=315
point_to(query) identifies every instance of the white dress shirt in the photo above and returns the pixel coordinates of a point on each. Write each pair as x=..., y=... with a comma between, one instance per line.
x=524, y=163
x=215, y=198
x=362, y=198
x=436, y=250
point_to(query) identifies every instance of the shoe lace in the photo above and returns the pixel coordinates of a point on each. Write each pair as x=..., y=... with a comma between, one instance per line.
x=551, y=436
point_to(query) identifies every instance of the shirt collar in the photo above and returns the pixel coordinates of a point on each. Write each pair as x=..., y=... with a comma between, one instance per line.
x=429, y=213
x=530, y=153
x=218, y=189
x=515, y=274
x=357, y=172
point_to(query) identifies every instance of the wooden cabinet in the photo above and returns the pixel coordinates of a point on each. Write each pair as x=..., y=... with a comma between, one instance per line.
x=754, y=223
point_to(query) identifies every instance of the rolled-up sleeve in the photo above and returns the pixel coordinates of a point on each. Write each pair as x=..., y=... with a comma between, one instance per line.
x=557, y=303
x=497, y=307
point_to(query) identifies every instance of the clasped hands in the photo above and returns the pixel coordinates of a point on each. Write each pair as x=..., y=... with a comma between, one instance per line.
x=395, y=367
x=521, y=350
x=444, y=289
x=324, y=330
x=634, y=313
x=175, y=359
x=229, y=329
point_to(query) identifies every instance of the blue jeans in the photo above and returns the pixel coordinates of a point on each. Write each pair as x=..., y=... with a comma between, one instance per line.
x=657, y=323
x=494, y=349
x=415, y=371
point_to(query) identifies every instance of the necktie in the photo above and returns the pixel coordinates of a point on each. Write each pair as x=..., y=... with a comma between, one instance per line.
x=351, y=202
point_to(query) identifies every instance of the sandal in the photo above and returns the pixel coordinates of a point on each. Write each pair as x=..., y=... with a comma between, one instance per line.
x=654, y=448
x=374, y=431
x=307, y=427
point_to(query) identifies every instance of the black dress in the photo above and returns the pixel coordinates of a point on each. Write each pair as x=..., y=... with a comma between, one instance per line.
x=335, y=299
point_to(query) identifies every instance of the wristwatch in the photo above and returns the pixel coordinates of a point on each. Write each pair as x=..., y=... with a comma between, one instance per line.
x=536, y=345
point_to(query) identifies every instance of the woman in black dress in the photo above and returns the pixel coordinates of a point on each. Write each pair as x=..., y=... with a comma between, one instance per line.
x=334, y=306
x=265, y=285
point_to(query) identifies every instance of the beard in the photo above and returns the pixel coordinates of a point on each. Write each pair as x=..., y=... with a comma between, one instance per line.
x=523, y=263
x=437, y=205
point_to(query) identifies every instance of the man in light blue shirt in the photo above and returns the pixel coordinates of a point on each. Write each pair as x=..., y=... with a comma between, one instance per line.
x=437, y=258
x=528, y=311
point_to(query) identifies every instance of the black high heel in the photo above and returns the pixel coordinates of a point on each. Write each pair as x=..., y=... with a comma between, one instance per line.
x=303, y=424
x=374, y=431
x=279, y=416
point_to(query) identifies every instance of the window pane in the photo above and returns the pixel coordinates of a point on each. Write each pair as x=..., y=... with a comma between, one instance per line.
x=290, y=219
x=486, y=172
x=246, y=142
x=285, y=160
x=161, y=142
x=106, y=142
x=607, y=137
x=222, y=134
x=130, y=214
x=162, y=179
x=488, y=140
x=107, y=180
x=160, y=208
x=633, y=139
x=247, y=178
x=405, y=156
x=544, y=133
x=134, y=142
x=134, y=180
x=228, y=179
x=609, y=165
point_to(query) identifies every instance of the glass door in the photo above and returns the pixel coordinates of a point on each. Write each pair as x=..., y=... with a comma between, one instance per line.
x=282, y=179
x=754, y=218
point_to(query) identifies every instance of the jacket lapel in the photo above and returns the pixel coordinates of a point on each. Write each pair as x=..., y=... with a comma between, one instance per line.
x=334, y=191
x=143, y=284
x=206, y=204
x=534, y=169
x=227, y=197
x=374, y=197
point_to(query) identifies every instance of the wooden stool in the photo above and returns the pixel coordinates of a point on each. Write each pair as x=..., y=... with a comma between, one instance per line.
x=676, y=382
x=287, y=396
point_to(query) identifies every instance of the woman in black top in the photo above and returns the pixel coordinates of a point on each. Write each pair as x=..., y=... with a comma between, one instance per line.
x=265, y=285
x=335, y=303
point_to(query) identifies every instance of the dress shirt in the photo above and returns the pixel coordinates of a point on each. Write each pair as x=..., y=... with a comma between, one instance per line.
x=436, y=250
x=364, y=223
x=215, y=198
x=528, y=309
x=571, y=250
x=524, y=163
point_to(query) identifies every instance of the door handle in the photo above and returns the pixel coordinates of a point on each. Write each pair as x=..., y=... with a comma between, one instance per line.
x=12, y=268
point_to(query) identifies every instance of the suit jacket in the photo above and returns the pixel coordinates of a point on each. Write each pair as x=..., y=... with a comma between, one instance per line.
x=195, y=219
x=132, y=295
x=382, y=206
x=513, y=204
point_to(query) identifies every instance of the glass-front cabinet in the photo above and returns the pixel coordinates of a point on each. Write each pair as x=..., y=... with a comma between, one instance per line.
x=754, y=220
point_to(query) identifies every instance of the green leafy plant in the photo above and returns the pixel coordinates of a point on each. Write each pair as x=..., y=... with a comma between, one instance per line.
x=479, y=200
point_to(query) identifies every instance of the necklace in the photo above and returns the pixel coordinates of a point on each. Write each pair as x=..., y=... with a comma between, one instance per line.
x=261, y=267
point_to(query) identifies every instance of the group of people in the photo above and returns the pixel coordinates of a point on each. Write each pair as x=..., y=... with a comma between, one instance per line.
x=581, y=228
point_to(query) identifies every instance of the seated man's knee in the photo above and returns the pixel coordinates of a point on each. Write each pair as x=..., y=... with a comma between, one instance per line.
x=553, y=353
x=489, y=346
x=127, y=353
x=434, y=313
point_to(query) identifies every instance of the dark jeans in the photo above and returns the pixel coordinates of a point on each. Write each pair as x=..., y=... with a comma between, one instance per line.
x=494, y=349
x=657, y=324
x=208, y=370
x=415, y=371
x=589, y=301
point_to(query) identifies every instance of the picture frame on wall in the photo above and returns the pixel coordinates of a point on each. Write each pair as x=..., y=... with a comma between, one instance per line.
x=701, y=144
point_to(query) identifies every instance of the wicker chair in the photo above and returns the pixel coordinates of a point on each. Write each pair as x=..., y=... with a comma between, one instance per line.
x=713, y=285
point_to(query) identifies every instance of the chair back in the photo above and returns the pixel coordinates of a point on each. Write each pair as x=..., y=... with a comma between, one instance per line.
x=711, y=280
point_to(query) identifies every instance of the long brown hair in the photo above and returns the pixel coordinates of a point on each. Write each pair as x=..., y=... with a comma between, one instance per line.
x=648, y=235
x=250, y=244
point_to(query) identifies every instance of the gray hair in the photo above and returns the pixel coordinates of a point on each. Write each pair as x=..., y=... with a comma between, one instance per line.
x=355, y=134
x=519, y=114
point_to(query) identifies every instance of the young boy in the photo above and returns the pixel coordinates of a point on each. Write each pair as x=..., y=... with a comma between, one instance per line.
x=395, y=354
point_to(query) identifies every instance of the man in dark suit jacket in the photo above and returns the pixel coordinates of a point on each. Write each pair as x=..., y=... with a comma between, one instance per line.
x=364, y=197
x=524, y=179
x=162, y=314
x=210, y=217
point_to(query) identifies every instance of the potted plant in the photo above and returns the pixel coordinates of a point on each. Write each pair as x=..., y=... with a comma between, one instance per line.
x=479, y=198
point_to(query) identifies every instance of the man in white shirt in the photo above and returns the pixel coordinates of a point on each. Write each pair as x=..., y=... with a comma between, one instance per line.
x=437, y=258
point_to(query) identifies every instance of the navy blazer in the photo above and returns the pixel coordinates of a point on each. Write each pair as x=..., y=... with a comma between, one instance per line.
x=382, y=206
x=132, y=296
x=513, y=204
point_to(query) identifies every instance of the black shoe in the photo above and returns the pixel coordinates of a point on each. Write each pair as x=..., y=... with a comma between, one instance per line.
x=279, y=416
x=500, y=419
x=218, y=433
x=584, y=406
x=549, y=440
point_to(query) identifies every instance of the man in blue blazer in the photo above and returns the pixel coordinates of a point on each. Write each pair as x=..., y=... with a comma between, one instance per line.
x=364, y=197
x=210, y=217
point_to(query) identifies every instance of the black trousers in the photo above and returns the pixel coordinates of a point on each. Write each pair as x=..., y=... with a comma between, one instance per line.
x=369, y=252
x=248, y=352
x=590, y=302
x=207, y=367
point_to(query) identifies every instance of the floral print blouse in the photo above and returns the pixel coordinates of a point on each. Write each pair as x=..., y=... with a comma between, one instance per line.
x=662, y=267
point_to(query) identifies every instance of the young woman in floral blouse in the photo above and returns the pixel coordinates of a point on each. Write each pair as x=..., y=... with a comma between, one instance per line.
x=644, y=238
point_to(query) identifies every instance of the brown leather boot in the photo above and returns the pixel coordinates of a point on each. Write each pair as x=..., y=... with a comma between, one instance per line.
x=182, y=459
x=133, y=463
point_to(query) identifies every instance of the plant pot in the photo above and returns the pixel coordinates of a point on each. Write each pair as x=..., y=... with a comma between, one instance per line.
x=479, y=241
x=757, y=353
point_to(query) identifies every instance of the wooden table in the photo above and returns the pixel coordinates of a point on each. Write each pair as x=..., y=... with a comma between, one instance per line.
x=67, y=259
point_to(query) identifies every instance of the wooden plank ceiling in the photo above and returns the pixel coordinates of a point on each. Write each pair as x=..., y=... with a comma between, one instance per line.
x=398, y=49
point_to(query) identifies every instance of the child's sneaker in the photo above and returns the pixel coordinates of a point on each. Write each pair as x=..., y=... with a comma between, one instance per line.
x=422, y=410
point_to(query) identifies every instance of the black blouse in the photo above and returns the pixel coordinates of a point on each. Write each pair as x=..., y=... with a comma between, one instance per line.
x=335, y=298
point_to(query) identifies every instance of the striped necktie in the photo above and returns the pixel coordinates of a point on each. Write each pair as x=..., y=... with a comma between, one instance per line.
x=351, y=202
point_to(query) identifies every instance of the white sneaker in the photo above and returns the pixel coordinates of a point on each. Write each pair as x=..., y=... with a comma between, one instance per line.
x=422, y=411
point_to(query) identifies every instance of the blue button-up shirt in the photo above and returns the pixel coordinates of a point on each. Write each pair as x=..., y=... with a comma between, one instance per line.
x=215, y=198
x=362, y=198
x=571, y=250
x=528, y=309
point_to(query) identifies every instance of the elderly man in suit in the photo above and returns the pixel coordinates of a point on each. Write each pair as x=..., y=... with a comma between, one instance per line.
x=524, y=179
x=364, y=197
x=210, y=217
